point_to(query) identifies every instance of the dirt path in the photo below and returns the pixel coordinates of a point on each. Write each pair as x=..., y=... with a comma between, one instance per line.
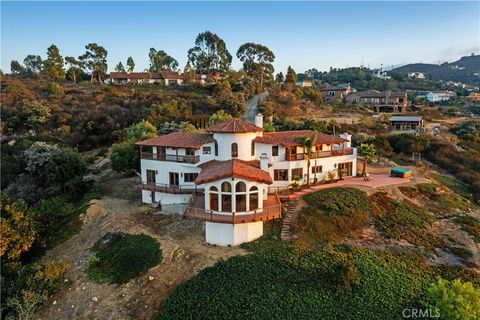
x=185, y=253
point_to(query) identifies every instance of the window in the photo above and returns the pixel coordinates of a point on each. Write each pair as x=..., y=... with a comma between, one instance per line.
x=190, y=152
x=274, y=151
x=234, y=150
x=298, y=172
x=207, y=150
x=317, y=169
x=226, y=202
x=252, y=148
x=253, y=198
x=280, y=175
x=226, y=187
x=216, y=148
x=241, y=202
x=240, y=187
x=213, y=198
x=190, y=177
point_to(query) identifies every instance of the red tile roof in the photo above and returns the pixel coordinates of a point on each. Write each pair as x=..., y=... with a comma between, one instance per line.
x=179, y=140
x=289, y=138
x=235, y=125
x=169, y=75
x=216, y=170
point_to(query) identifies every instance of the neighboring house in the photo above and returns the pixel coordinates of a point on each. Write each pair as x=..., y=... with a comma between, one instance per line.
x=405, y=123
x=379, y=73
x=474, y=96
x=416, y=75
x=165, y=77
x=229, y=176
x=304, y=83
x=392, y=102
x=440, y=95
x=332, y=93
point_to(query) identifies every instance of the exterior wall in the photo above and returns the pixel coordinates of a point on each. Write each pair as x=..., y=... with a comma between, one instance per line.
x=165, y=198
x=163, y=168
x=232, y=234
x=243, y=140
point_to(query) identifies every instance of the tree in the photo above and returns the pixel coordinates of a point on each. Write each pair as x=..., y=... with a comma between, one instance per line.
x=64, y=165
x=16, y=67
x=130, y=64
x=367, y=151
x=308, y=143
x=95, y=59
x=119, y=67
x=125, y=157
x=161, y=61
x=209, y=54
x=33, y=64
x=16, y=227
x=454, y=299
x=291, y=76
x=257, y=62
x=311, y=73
x=75, y=68
x=219, y=117
x=279, y=78
x=53, y=66
x=382, y=147
x=141, y=131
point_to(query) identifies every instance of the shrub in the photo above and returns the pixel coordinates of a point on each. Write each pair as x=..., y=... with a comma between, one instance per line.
x=125, y=157
x=65, y=164
x=120, y=257
x=469, y=224
x=340, y=201
x=454, y=299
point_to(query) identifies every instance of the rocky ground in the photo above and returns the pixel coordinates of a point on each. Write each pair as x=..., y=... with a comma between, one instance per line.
x=184, y=254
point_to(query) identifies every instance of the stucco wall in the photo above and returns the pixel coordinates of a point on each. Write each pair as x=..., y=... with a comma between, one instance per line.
x=229, y=234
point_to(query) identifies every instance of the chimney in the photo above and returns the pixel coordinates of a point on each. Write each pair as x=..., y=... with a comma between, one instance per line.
x=348, y=137
x=264, y=162
x=259, y=120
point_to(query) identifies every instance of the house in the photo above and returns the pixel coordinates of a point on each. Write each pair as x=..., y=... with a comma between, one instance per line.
x=304, y=83
x=228, y=176
x=165, y=77
x=416, y=75
x=474, y=96
x=440, y=95
x=332, y=93
x=380, y=74
x=393, y=102
x=405, y=123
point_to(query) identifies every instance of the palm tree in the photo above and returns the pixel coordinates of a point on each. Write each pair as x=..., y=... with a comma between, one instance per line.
x=367, y=151
x=308, y=143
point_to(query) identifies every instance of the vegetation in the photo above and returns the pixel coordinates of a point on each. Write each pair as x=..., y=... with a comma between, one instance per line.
x=308, y=143
x=367, y=151
x=469, y=224
x=453, y=184
x=120, y=257
x=209, y=53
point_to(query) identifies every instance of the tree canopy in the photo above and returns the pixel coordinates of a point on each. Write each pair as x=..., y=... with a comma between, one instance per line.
x=54, y=65
x=95, y=60
x=209, y=53
x=161, y=61
x=291, y=76
x=257, y=62
x=119, y=67
x=130, y=64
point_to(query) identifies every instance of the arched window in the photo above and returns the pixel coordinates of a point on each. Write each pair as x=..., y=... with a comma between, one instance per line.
x=240, y=187
x=253, y=196
x=213, y=198
x=216, y=148
x=234, y=150
x=252, y=148
x=226, y=187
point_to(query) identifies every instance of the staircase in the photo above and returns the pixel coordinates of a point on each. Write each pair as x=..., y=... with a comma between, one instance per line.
x=288, y=212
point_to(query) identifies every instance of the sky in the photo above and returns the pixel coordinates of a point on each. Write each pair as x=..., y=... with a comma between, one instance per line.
x=301, y=34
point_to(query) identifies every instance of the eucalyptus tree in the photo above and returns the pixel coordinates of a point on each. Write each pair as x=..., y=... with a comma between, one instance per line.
x=75, y=67
x=130, y=64
x=33, y=64
x=161, y=61
x=95, y=60
x=257, y=62
x=119, y=67
x=209, y=54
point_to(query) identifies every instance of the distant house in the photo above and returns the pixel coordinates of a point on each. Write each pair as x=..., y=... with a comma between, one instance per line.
x=474, y=96
x=381, y=74
x=440, y=95
x=416, y=75
x=333, y=93
x=392, y=102
x=165, y=77
x=405, y=123
x=304, y=83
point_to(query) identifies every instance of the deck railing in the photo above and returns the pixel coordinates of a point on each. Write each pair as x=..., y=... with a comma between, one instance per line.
x=168, y=188
x=170, y=157
x=319, y=154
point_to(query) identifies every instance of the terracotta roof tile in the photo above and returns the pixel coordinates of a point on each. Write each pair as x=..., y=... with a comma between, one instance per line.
x=179, y=140
x=216, y=170
x=289, y=138
x=235, y=125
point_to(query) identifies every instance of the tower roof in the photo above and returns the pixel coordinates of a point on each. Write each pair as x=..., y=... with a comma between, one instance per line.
x=234, y=125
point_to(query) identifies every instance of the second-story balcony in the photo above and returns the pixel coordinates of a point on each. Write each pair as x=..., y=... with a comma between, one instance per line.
x=170, y=157
x=318, y=154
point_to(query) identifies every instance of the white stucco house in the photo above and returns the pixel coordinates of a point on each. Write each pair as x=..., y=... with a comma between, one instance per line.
x=228, y=176
x=440, y=95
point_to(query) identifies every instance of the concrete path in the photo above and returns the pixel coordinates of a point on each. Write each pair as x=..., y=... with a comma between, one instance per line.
x=252, y=108
x=376, y=181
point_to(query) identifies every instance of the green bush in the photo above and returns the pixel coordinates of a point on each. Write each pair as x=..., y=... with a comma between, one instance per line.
x=120, y=257
x=64, y=164
x=125, y=157
x=340, y=201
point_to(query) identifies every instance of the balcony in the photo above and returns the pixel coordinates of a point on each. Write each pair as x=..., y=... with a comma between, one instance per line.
x=319, y=154
x=167, y=188
x=170, y=157
x=272, y=209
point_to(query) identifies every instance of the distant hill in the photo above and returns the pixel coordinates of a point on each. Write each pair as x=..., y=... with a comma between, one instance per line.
x=466, y=70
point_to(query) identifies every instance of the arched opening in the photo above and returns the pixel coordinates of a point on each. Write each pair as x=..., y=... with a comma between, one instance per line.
x=240, y=187
x=253, y=198
x=241, y=196
x=226, y=187
x=213, y=194
x=226, y=197
x=234, y=150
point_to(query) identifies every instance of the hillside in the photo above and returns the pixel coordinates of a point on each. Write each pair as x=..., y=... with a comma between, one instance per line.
x=462, y=70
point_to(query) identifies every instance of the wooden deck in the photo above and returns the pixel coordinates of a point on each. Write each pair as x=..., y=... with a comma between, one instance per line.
x=272, y=209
